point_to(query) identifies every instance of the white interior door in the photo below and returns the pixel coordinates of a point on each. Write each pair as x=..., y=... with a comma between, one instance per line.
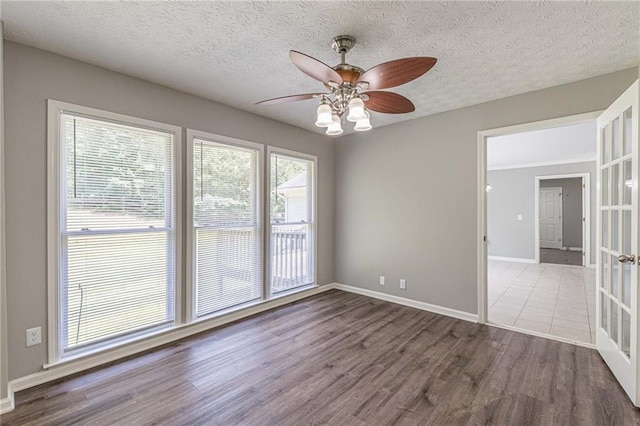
x=617, y=240
x=550, y=214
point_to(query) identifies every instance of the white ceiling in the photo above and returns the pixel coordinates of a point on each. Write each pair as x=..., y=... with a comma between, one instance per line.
x=568, y=144
x=236, y=52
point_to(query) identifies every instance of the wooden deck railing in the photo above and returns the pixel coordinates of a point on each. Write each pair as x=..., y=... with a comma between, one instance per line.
x=289, y=257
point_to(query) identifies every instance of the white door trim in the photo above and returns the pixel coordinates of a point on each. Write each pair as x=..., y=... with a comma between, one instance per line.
x=586, y=213
x=6, y=403
x=483, y=135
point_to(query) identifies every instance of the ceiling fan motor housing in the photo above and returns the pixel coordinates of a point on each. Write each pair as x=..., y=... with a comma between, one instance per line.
x=349, y=73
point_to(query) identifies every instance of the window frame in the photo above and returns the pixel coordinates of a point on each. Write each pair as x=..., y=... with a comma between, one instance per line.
x=314, y=220
x=190, y=291
x=55, y=205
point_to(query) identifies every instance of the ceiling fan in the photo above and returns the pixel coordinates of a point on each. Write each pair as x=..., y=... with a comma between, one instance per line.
x=353, y=89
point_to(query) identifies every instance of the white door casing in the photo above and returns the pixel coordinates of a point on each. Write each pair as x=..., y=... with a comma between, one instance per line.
x=481, y=192
x=617, y=241
x=550, y=217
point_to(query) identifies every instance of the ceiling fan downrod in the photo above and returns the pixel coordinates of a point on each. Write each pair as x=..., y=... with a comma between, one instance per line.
x=342, y=44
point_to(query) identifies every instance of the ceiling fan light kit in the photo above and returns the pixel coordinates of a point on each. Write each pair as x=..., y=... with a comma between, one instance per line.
x=363, y=124
x=356, y=110
x=323, y=115
x=335, y=128
x=347, y=85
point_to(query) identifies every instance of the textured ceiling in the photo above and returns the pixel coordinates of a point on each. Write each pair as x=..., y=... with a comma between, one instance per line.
x=236, y=53
x=560, y=144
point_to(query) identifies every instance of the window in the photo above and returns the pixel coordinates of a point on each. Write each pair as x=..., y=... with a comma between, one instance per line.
x=114, y=248
x=226, y=238
x=114, y=228
x=292, y=230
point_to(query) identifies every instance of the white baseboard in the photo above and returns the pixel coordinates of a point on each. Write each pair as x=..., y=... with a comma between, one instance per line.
x=437, y=309
x=592, y=266
x=67, y=368
x=512, y=259
x=7, y=404
x=572, y=248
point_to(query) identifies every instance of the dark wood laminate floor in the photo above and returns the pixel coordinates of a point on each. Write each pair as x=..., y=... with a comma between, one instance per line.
x=341, y=358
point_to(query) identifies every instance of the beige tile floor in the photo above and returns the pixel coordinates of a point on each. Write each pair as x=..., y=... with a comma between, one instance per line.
x=553, y=299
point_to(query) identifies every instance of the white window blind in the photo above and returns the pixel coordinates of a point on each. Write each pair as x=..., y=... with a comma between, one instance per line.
x=117, y=230
x=227, y=229
x=292, y=227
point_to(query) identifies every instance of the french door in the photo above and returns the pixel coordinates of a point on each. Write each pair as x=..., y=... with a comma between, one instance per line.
x=617, y=239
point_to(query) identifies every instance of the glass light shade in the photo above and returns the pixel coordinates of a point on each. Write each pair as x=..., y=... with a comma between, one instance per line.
x=364, y=124
x=324, y=116
x=356, y=110
x=334, y=128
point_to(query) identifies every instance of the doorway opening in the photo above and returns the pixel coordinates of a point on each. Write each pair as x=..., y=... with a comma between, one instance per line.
x=563, y=217
x=536, y=266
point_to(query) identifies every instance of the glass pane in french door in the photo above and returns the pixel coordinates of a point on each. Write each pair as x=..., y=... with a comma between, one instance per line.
x=616, y=138
x=625, y=288
x=628, y=182
x=614, y=231
x=605, y=229
x=626, y=135
x=626, y=333
x=604, y=270
x=605, y=187
x=615, y=276
x=604, y=316
x=606, y=144
x=614, y=321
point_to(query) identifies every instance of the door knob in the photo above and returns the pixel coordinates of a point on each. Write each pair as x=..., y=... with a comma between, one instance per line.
x=623, y=258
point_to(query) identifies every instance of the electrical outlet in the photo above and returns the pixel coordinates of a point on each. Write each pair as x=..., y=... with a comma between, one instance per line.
x=403, y=284
x=34, y=336
x=381, y=279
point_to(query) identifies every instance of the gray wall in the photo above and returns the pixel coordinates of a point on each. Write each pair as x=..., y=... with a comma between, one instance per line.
x=571, y=208
x=406, y=194
x=31, y=77
x=513, y=193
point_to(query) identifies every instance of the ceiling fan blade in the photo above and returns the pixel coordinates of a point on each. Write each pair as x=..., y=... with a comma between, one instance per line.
x=395, y=73
x=314, y=68
x=388, y=103
x=292, y=98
